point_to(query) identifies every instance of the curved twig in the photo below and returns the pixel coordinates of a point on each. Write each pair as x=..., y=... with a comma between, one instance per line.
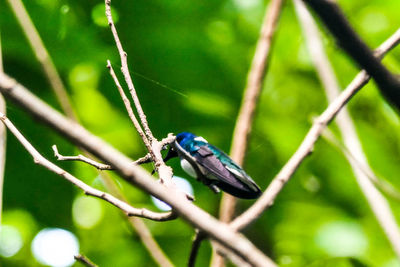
x=88, y=190
x=268, y=197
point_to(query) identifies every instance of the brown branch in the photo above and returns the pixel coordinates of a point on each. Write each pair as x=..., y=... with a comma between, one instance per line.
x=84, y=260
x=153, y=145
x=139, y=226
x=136, y=175
x=382, y=184
x=42, y=56
x=380, y=207
x=1, y=56
x=90, y=191
x=334, y=19
x=125, y=72
x=250, y=99
x=198, y=238
x=305, y=148
x=3, y=139
x=129, y=108
x=97, y=165
x=3, y=143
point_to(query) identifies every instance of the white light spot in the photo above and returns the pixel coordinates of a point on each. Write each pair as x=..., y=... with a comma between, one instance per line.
x=182, y=184
x=342, y=239
x=87, y=211
x=10, y=241
x=246, y=4
x=55, y=247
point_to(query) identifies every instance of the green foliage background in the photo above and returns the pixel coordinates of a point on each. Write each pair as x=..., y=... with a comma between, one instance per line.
x=189, y=61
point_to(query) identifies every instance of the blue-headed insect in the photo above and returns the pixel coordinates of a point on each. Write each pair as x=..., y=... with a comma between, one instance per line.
x=212, y=166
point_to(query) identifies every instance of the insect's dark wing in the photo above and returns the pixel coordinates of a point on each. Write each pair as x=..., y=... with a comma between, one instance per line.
x=228, y=178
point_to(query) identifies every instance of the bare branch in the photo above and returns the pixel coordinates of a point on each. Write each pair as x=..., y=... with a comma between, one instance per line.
x=3, y=143
x=39, y=159
x=198, y=238
x=42, y=56
x=1, y=56
x=377, y=202
x=125, y=72
x=3, y=137
x=129, y=108
x=97, y=165
x=334, y=19
x=305, y=148
x=382, y=184
x=136, y=175
x=61, y=94
x=139, y=226
x=244, y=121
x=254, y=85
x=84, y=260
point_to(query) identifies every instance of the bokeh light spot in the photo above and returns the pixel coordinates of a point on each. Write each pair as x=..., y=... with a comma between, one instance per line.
x=55, y=247
x=10, y=240
x=342, y=239
x=99, y=18
x=87, y=211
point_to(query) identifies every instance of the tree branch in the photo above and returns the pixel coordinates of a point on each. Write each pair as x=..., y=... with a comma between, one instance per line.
x=305, y=148
x=3, y=139
x=129, y=108
x=61, y=94
x=42, y=56
x=334, y=19
x=134, y=174
x=90, y=191
x=97, y=165
x=199, y=237
x=380, y=207
x=244, y=121
x=382, y=184
x=125, y=72
x=84, y=260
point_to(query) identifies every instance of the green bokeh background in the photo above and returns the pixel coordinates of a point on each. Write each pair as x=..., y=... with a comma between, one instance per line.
x=189, y=61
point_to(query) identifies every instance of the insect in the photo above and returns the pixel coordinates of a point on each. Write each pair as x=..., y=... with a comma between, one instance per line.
x=212, y=166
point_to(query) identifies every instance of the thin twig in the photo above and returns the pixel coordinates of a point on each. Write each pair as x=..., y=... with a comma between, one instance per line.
x=84, y=260
x=382, y=184
x=97, y=165
x=136, y=175
x=139, y=226
x=305, y=148
x=129, y=108
x=125, y=72
x=88, y=190
x=164, y=171
x=198, y=238
x=42, y=56
x=334, y=19
x=3, y=140
x=61, y=94
x=379, y=205
x=1, y=56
